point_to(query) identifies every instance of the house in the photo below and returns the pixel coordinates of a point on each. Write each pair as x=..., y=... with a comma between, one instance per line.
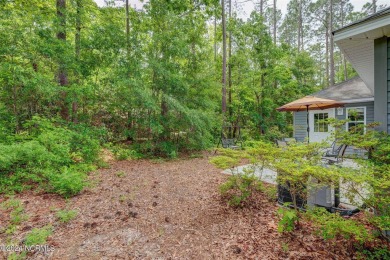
x=356, y=96
x=366, y=45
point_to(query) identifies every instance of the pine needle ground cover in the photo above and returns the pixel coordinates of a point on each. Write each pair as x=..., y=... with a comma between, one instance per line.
x=160, y=209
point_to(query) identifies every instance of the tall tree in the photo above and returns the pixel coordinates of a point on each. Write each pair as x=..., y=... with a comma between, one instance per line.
x=342, y=22
x=300, y=26
x=296, y=24
x=223, y=58
x=230, y=63
x=274, y=18
x=77, y=44
x=331, y=44
x=62, y=73
x=127, y=29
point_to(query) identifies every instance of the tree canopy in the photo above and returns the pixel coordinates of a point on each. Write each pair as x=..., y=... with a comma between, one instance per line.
x=152, y=76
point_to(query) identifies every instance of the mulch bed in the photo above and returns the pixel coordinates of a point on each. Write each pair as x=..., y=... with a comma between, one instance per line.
x=147, y=209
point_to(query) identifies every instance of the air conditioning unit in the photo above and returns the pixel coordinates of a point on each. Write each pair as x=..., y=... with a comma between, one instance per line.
x=320, y=195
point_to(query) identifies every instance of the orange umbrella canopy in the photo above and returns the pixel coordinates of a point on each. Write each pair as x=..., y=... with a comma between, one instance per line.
x=310, y=103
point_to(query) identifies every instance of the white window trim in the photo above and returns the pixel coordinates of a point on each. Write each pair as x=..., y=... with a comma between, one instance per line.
x=314, y=125
x=365, y=116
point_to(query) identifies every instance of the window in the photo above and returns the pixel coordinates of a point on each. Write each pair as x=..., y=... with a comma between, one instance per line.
x=356, y=117
x=320, y=124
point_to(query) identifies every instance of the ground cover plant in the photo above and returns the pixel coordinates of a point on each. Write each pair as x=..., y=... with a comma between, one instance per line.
x=49, y=156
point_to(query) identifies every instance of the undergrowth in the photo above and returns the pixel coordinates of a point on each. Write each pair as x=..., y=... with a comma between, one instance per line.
x=54, y=157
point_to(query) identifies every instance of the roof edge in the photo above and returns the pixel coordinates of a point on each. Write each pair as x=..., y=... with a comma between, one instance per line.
x=358, y=100
x=368, y=18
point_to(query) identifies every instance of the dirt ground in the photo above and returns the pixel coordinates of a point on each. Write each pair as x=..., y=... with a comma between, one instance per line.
x=147, y=209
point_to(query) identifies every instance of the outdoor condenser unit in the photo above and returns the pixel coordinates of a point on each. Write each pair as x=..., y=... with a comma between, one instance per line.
x=320, y=195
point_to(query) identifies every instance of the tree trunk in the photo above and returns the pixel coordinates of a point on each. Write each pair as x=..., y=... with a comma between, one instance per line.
x=326, y=58
x=77, y=53
x=274, y=22
x=230, y=67
x=262, y=8
x=127, y=29
x=299, y=24
x=164, y=114
x=344, y=61
x=373, y=6
x=215, y=37
x=261, y=128
x=223, y=58
x=331, y=54
x=62, y=75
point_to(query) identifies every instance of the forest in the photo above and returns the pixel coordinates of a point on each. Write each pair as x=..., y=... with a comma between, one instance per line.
x=171, y=77
x=153, y=76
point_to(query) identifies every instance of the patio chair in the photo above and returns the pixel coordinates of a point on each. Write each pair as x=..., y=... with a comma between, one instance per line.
x=231, y=143
x=335, y=156
x=333, y=150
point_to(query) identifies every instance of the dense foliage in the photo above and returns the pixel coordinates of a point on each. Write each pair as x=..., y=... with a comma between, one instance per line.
x=75, y=76
x=56, y=157
x=155, y=84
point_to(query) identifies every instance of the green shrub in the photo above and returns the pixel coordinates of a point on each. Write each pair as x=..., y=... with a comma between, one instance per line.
x=381, y=153
x=54, y=157
x=64, y=216
x=228, y=159
x=239, y=188
x=38, y=236
x=85, y=146
x=288, y=220
x=332, y=226
x=168, y=149
x=121, y=174
x=271, y=192
x=68, y=182
x=122, y=153
x=16, y=256
x=17, y=215
x=375, y=254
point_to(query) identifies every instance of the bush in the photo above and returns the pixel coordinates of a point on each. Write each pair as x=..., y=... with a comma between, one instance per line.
x=332, y=226
x=239, y=188
x=122, y=154
x=68, y=182
x=54, y=157
x=17, y=214
x=288, y=219
x=64, y=216
x=170, y=149
x=375, y=254
x=38, y=236
x=381, y=153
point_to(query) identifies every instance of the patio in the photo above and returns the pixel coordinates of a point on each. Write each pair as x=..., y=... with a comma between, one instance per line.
x=269, y=176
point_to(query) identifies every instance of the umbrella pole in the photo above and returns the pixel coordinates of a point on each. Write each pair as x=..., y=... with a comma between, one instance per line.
x=307, y=122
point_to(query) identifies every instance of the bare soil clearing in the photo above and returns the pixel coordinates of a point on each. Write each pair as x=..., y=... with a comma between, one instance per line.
x=146, y=210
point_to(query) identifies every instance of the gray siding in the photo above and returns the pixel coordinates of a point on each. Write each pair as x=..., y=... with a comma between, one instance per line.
x=381, y=80
x=300, y=131
x=388, y=85
x=369, y=111
x=300, y=126
x=352, y=151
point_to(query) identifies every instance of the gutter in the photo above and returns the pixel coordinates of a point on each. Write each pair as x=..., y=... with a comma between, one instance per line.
x=380, y=13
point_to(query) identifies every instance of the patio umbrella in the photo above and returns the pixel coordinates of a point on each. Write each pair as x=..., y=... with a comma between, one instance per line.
x=310, y=103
